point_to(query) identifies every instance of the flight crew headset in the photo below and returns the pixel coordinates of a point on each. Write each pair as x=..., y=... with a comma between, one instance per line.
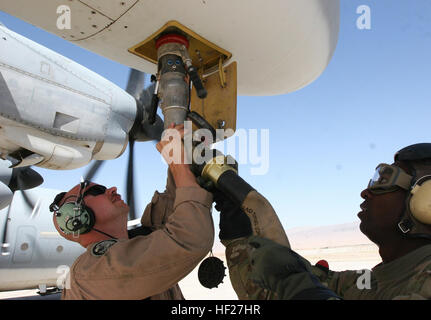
x=416, y=218
x=74, y=217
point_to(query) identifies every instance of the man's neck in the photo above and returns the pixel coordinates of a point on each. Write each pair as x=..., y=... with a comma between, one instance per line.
x=400, y=247
x=97, y=235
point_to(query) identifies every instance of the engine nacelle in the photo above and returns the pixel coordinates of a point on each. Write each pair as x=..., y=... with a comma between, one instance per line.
x=80, y=116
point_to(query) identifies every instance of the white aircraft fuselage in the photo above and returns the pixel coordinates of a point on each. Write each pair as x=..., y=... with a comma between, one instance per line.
x=34, y=254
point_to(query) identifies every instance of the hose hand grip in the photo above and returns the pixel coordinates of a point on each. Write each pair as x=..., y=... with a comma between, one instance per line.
x=194, y=76
x=201, y=123
x=153, y=109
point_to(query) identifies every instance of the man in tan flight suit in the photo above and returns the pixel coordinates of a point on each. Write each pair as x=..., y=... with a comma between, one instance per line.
x=396, y=215
x=146, y=266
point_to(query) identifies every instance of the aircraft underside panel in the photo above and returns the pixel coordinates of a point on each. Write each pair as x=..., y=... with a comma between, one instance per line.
x=280, y=45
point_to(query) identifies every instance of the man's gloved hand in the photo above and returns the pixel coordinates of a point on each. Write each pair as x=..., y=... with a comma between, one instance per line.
x=234, y=223
x=281, y=270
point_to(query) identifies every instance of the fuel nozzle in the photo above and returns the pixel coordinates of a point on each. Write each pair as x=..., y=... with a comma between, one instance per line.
x=172, y=87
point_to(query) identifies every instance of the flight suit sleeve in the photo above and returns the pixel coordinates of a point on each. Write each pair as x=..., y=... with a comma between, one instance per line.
x=419, y=286
x=148, y=265
x=264, y=223
x=337, y=281
x=160, y=208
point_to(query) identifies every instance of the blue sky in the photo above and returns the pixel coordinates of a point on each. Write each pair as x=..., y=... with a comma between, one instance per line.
x=325, y=139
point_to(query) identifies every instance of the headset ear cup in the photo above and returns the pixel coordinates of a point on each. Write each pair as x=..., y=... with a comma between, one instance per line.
x=63, y=217
x=69, y=223
x=420, y=202
x=91, y=219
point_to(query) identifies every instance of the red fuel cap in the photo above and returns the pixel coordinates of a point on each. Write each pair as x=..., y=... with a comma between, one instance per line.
x=172, y=38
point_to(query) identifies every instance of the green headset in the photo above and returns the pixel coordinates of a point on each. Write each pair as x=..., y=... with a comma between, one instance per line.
x=73, y=217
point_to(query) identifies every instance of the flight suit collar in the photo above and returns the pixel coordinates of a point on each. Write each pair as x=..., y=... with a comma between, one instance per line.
x=403, y=266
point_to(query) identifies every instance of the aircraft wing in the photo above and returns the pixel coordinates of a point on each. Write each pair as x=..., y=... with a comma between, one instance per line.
x=280, y=45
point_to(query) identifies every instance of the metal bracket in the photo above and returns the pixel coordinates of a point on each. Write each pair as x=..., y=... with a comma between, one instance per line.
x=221, y=73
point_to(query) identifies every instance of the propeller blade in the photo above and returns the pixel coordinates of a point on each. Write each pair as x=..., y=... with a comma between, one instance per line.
x=6, y=195
x=5, y=250
x=153, y=131
x=130, y=182
x=24, y=178
x=28, y=201
x=93, y=169
x=136, y=83
x=142, y=130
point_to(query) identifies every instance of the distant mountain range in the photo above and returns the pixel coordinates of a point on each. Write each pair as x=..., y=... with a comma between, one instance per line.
x=339, y=235
x=342, y=245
